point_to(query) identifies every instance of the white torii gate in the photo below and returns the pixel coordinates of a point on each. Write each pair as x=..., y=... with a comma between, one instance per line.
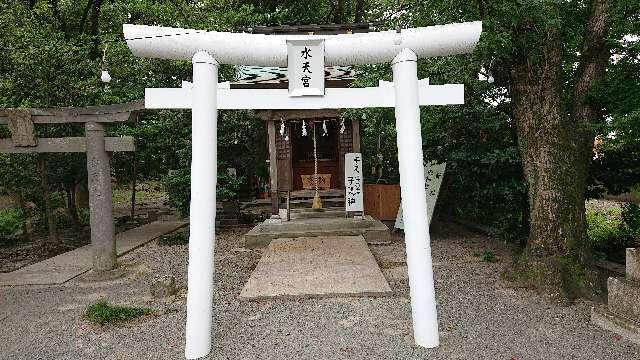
x=205, y=96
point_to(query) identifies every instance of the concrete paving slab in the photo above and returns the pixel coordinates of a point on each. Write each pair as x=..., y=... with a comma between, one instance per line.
x=372, y=229
x=66, y=266
x=316, y=267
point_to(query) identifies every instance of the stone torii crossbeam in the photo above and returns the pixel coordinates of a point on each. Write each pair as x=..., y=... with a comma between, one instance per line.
x=98, y=148
x=205, y=96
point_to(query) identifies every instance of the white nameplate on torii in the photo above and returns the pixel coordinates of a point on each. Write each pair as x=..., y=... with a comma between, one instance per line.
x=305, y=67
x=278, y=99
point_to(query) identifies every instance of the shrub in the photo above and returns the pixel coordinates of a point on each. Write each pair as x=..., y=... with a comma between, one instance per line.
x=11, y=223
x=83, y=216
x=611, y=232
x=102, y=313
x=631, y=219
x=178, y=188
x=178, y=185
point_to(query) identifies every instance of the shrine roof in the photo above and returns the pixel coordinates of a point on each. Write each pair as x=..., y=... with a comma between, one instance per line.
x=259, y=75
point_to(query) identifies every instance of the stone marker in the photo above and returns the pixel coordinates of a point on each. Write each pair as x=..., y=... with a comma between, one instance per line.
x=624, y=298
x=433, y=174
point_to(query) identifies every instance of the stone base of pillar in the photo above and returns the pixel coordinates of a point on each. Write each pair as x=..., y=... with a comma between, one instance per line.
x=622, y=314
x=610, y=321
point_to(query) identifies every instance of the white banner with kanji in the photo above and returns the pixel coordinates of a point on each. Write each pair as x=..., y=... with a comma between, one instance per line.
x=353, y=182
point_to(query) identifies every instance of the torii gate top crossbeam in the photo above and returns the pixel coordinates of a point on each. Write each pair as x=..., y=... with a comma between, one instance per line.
x=271, y=50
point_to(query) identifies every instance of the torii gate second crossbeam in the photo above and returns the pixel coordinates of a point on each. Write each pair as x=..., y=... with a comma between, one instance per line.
x=205, y=96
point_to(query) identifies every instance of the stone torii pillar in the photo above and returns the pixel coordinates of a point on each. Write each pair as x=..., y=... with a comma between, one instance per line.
x=98, y=148
x=206, y=49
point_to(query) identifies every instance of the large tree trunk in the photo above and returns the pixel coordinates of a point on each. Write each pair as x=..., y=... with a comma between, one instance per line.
x=556, y=187
x=594, y=59
x=556, y=153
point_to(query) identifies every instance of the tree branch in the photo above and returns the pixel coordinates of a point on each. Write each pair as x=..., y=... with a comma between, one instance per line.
x=594, y=59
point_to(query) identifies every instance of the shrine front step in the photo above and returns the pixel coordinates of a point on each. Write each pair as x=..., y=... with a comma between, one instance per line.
x=371, y=229
x=307, y=213
x=306, y=203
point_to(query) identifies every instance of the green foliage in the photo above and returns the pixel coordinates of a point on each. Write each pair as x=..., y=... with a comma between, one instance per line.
x=631, y=219
x=83, y=216
x=163, y=142
x=603, y=229
x=611, y=232
x=102, y=313
x=11, y=224
x=178, y=186
x=228, y=186
x=175, y=238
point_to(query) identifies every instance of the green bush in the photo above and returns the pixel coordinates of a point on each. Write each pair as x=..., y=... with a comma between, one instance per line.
x=610, y=233
x=102, y=313
x=178, y=185
x=11, y=224
x=83, y=216
x=631, y=219
x=178, y=188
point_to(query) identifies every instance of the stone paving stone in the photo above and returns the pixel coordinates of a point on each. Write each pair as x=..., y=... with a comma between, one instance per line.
x=66, y=266
x=316, y=267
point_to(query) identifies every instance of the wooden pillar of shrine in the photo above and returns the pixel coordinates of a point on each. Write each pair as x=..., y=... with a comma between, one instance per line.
x=273, y=167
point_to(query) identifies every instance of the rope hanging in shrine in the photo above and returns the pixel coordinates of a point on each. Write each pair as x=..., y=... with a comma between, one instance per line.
x=317, y=203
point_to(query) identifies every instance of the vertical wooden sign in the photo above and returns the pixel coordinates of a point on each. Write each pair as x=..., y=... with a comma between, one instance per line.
x=353, y=182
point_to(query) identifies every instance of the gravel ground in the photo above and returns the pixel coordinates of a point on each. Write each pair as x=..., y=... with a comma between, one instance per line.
x=602, y=205
x=481, y=315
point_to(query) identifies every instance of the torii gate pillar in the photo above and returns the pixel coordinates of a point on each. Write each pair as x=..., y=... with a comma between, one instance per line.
x=202, y=213
x=414, y=200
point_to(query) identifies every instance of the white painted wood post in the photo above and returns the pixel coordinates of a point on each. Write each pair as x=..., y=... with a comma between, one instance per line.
x=203, y=206
x=414, y=200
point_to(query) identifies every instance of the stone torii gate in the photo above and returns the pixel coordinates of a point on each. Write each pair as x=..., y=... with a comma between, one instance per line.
x=205, y=96
x=95, y=144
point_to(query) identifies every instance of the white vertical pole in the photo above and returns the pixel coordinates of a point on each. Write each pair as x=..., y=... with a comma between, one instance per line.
x=414, y=200
x=203, y=206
